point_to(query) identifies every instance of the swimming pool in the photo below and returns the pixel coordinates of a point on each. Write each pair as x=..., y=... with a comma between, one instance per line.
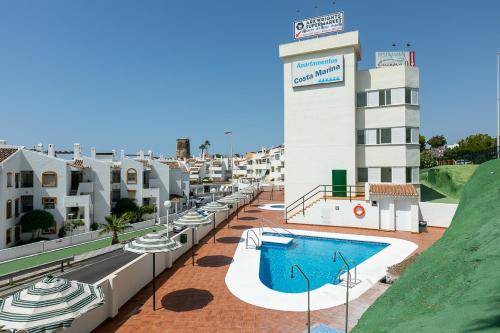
x=314, y=255
x=268, y=288
x=273, y=206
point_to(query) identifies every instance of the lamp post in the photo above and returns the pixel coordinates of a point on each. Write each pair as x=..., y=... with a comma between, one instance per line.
x=347, y=285
x=230, y=133
x=167, y=204
x=213, y=190
x=308, y=295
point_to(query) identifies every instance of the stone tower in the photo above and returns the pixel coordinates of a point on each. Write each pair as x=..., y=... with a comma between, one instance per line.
x=183, y=149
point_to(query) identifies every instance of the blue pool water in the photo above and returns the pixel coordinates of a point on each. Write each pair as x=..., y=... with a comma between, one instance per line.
x=278, y=206
x=315, y=256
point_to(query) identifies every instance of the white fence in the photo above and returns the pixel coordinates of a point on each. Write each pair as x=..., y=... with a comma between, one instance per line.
x=437, y=214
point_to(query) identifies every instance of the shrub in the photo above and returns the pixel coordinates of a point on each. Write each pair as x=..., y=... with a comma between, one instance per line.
x=125, y=205
x=62, y=232
x=94, y=226
x=426, y=160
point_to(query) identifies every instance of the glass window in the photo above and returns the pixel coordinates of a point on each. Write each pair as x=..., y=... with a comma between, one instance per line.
x=385, y=97
x=115, y=195
x=397, y=96
x=8, y=236
x=386, y=175
x=131, y=195
x=362, y=175
x=26, y=179
x=16, y=181
x=49, y=203
x=8, y=209
x=372, y=98
x=49, y=179
x=385, y=135
x=9, y=179
x=26, y=203
x=361, y=137
x=408, y=135
x=16, y=207
x=361, y=99
x=131, y=176
x=414, y=96
x=409, y=173
x=408, y=95
x=115, y=176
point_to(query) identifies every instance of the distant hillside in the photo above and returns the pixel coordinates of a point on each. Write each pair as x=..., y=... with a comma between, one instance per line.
x=455, y=285
x=445, y=183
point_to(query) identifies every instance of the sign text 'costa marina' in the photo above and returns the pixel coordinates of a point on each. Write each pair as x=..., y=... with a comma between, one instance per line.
x=318, y=71
x=318, y=25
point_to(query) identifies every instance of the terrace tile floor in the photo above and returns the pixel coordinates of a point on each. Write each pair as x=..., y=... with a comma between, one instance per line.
x=196, y=299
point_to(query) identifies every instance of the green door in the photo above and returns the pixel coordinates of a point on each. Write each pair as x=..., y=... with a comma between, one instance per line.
x=339, y=183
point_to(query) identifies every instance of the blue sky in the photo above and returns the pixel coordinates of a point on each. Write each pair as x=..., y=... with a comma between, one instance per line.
x=138, y=74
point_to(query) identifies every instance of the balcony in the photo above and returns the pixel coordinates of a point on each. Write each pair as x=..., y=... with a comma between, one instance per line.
x=77, y=201
x=85, y=188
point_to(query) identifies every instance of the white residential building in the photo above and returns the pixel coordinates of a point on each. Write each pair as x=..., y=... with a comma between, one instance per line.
x=346, y=127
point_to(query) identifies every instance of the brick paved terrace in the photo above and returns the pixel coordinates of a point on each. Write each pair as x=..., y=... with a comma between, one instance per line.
x=196, y=299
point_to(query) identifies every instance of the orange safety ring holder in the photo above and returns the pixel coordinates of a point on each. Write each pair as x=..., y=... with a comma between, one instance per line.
x=359, y=211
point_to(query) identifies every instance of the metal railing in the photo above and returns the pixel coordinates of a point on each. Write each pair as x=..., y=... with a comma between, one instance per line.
x=10, y=276
x=256, y=243
x=274, y=227
x=325, y=191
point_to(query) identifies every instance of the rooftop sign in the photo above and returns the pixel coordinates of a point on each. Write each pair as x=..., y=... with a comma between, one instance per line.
x=318, y=71
x=318, y=25
x=394, y=58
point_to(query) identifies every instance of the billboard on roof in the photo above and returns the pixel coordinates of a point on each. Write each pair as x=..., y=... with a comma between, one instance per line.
x=318, y=25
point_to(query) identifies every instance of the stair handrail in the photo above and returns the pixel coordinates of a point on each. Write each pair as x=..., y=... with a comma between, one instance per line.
x=253, y=240
x=274, y=228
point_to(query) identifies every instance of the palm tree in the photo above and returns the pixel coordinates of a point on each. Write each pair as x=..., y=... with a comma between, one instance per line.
x=115, y=225
x=206, y=144
x=202, y=147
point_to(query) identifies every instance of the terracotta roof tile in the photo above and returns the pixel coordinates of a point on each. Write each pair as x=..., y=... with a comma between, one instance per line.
x=401, y=190
x=77, y=164
x=6, y=152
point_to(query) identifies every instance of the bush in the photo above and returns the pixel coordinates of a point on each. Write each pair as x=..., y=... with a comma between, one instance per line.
x=62, y=232
x=426, y=160
x=125, y=205
x=94, y=226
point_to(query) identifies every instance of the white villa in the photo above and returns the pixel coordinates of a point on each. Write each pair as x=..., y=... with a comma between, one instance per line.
x=82, y=187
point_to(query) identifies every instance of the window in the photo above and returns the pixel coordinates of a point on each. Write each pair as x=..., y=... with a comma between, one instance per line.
x=362, y=175
x=49, y=203
x=408, y=135
x=398, y=96
x=409, y=174
x=16, y=207
x=411, y=96
x=131, y=194
x=386, y=175
x=361, y=137
x=16, y=180
x=361, y=99
x=131, y=176
x=49, y=179
x=115, y=195
x=372, y=98
x=115, y=176
x=8, y=236
x=384, y=97
x=9, y=179
x=26, y=179
x=8, y=209
x=26, y=203
x=385, y=135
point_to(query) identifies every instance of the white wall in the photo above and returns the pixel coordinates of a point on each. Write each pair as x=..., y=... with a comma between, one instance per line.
x=437, y=214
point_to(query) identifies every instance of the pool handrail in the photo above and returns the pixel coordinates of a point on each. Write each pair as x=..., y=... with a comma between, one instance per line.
x=273, y=227
x=253, y=240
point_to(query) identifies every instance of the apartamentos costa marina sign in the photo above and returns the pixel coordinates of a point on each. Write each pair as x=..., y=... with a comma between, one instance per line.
x=318, y=25
x=318, y=71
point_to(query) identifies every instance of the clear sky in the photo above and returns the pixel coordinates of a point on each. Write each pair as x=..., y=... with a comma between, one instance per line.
x=139, y=74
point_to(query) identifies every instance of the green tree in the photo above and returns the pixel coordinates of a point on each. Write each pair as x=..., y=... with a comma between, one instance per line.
x=125, y=205
x=426, y=160
x=207, y=144
x=422, y=141
x=476, y=143
x=115, y=225
x=36, y=221
x=202, y=148
x=437, y=141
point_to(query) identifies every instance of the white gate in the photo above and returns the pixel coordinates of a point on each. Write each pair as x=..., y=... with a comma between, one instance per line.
x=386, y=218
x=403, y=215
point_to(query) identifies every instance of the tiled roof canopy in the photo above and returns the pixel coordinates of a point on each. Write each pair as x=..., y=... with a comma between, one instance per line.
x=6, y=152
x=400, y=190
x=77, y=164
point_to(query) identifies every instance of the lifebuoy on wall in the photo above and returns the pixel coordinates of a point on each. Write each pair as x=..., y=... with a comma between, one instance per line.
x=359, y=211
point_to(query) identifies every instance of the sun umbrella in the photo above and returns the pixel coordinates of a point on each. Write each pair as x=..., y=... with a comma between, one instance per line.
x=192, y=220
x=152, y=243
x=231, y=201
x=49, y=305
x=214, y=207
x=240, y=196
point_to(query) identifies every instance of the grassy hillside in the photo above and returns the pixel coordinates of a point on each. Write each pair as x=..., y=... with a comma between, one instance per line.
x=445, y=183
x=455, y=285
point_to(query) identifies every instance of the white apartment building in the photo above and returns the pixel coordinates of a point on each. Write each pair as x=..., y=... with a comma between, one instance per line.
x=82, y=187
x=351, y=130
x=267, y=165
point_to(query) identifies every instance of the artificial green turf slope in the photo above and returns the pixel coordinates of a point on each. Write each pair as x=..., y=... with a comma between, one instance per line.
x=448, y=180
x=455, y=285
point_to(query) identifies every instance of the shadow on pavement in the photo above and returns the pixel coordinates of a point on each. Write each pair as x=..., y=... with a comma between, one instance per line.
x=187, y=299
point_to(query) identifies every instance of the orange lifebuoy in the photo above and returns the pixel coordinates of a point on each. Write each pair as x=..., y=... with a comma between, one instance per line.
x=359, y=211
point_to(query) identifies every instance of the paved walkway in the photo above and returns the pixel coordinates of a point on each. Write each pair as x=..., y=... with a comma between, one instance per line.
x=196, y=299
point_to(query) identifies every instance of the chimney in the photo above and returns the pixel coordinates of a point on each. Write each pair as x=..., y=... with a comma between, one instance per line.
x=113, y=153
x=39, y=148
x=122, y=154
x=77, y=152
x=150, y=155
x=92, y=153
x=141, y=154
x=51, y=150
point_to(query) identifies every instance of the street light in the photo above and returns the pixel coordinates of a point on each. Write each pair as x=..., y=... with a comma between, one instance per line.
x=213, y=190
x=167, y=204
x=308, y=295
x=347, y=289
x=230, y=133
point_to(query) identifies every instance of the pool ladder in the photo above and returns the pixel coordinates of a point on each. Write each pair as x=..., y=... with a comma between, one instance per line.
x=275, y=228
x=352, y=282
x=255, y=242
